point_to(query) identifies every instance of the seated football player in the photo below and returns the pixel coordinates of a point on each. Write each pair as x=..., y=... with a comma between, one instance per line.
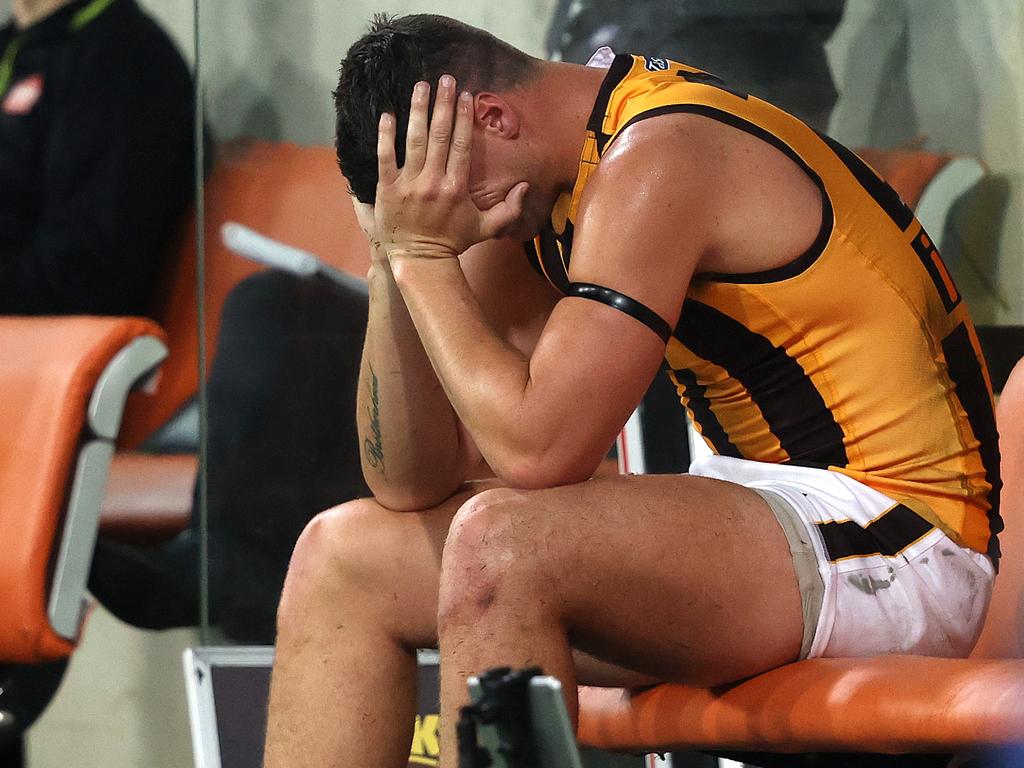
x=813, y=333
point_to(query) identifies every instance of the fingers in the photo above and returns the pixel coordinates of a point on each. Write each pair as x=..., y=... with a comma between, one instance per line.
x=387, y=165
x=495, y=220
x=416, y=135
x=462, y=139
x=441, y=126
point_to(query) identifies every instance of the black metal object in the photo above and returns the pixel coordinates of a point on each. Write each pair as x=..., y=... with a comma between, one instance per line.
x=504, y=704
x=663, y=419
x=25, y=691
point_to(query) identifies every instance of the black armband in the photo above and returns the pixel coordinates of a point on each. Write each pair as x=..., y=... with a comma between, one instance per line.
x=623, y=303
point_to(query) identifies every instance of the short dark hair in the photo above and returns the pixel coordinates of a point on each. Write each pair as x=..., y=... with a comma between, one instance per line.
x=379, y=71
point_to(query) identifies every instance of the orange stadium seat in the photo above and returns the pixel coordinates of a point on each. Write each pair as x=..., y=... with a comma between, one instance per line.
x=63, y=385
x=290, y=193
x=892, y=704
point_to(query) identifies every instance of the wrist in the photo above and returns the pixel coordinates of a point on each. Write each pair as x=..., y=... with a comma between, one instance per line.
x=379, y=268
x=407, y=266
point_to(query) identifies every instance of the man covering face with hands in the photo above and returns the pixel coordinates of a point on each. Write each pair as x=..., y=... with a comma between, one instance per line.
x=668, y=218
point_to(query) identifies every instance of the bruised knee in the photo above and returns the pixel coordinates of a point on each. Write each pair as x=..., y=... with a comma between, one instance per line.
x=488, y=556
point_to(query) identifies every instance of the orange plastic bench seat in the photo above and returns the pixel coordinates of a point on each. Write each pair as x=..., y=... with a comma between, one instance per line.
x=49, y=368
x=891, y=704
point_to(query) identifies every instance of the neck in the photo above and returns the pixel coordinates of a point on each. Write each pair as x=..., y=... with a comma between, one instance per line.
x=568, y=92
x=28, y=12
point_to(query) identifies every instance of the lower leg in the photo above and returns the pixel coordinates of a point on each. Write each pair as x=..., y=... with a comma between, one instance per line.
x=341, y=696
x=343, y=690
x=470, y=645
x=360, y=597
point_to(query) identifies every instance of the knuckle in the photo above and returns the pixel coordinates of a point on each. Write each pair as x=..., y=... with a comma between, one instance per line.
x=429, y=192
x=460, y=144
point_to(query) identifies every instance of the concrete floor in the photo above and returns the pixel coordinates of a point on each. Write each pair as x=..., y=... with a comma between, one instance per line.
x=122, y=702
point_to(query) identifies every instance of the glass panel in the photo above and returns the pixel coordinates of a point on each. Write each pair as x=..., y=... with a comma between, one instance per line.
x=946, y=78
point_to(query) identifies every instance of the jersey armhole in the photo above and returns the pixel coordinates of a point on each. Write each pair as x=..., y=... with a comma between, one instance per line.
x=802, y=262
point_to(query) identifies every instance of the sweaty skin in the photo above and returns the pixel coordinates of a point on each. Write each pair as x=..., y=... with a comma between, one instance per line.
x=468, y=352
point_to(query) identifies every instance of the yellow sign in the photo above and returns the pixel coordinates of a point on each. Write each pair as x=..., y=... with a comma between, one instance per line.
x=426, y=746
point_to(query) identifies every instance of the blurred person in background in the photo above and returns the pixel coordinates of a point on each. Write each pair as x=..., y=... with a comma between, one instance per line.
x=774, y=49
x=96, y=156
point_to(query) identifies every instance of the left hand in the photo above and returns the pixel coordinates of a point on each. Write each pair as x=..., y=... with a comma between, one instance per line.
x=424, y=210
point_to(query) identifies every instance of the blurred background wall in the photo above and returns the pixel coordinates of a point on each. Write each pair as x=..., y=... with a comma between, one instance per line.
x=946, y=75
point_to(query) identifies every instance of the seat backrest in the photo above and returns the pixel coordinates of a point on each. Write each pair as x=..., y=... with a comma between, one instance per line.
x=287, y=192
x=908, y=171
x=63, y=384
x=1003, y=636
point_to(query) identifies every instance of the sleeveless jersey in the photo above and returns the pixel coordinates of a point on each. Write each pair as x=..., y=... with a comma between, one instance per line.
x=858, y=357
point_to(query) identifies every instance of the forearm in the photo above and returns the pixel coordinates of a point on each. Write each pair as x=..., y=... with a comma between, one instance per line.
x=410, y=445
x=525, y=438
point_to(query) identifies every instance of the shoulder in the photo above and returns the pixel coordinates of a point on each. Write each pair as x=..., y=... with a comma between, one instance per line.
x=126, y=48
x=740, y=203
x=678, y=154
x=664, y=170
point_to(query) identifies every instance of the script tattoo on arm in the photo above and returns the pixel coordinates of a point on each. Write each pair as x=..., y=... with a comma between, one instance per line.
x=373, y=446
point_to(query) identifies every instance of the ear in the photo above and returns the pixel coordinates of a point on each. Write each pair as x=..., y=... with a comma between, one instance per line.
x=496, y=116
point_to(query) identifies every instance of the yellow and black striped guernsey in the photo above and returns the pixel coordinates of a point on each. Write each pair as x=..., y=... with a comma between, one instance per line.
x=859, y=356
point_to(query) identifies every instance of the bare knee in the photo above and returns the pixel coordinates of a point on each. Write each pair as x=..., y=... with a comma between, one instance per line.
x=334, y=557
x=489, y=558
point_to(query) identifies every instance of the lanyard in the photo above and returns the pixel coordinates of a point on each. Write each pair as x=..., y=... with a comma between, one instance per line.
x=79, y=20
x=7, y=62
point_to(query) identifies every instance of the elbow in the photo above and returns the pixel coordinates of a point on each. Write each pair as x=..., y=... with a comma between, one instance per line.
x=409, y=497
x=535, y=470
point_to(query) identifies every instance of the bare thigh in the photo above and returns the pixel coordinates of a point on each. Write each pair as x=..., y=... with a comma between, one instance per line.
x=397, y=557
x=677, y=577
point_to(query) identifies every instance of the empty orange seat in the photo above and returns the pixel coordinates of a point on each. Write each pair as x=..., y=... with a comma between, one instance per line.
x=63, y=381
x=287, y=192
x=290, y=193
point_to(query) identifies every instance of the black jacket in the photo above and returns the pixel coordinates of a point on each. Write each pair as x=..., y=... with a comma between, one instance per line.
x=96, y=159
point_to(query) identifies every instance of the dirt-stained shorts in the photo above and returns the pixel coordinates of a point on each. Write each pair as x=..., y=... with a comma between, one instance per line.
x=874, y=578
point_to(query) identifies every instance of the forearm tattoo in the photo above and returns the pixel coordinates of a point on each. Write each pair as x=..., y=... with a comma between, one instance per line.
x=373, y=446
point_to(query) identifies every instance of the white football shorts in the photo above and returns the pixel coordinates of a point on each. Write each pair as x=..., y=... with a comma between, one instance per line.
x=875, y=578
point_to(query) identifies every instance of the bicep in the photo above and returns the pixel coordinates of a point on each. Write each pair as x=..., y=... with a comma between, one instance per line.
x=640, y=236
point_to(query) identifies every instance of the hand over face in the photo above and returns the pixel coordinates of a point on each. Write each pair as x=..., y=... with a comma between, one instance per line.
x=424, y=210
